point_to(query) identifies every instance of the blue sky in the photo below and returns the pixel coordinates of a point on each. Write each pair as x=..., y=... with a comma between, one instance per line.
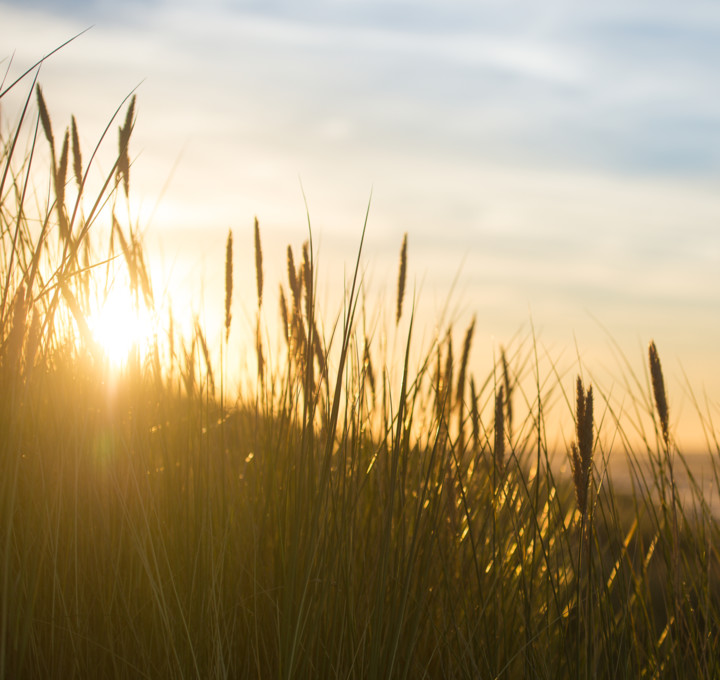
x=566, y=155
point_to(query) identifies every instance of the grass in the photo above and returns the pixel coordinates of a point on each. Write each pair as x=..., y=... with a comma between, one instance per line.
x=358, y=513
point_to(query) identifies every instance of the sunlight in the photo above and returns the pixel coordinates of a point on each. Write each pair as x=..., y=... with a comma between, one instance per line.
x=119, y=325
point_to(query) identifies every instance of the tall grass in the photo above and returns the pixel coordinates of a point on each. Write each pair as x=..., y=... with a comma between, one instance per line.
x=359, y=514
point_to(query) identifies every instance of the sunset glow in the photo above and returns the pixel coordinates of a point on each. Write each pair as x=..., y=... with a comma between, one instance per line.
x=120, y=326
x=359, y=338
x=563, y=157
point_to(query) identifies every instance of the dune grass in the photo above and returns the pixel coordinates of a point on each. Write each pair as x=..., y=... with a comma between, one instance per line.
x=359, y=513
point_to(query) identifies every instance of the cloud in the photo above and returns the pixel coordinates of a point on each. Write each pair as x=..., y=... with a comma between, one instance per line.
x=570, y=150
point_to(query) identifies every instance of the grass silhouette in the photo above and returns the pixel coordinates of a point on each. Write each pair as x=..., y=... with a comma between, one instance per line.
x=357, y=514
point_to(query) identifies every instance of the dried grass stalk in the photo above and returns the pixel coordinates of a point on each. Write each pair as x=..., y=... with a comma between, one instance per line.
x=171, y=338
x=658, y=385
x=320, y=355
x=464, y=362
x=402, y=275
x=460, y=397
x=474, y=416
x=438, y=385
x=507, y=382
x=581, y=449
x=143, y=276
x=127, y=252
x=308, y=282
x=369, y=373
x=448, y=376
x=16, y=337
x=188, y=372
x=258, y=264
x=284, y=315
x=60, y=179
x=228, y=283
x=260, y=355
x=61, y=174
x=79, y=317
x=45, y=120
x=206, y=356
x=293, y=279
x=499, y=447
x=123, y=162
x=77, y=158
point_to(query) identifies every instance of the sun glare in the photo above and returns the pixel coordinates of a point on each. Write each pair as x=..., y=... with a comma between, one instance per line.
x=119, y=326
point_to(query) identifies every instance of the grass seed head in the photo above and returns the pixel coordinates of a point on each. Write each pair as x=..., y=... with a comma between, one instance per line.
x=123, y=162
x=474, y=416
x=293, y=278
x=77, y=157
x=129, y=116
x=60, y=179
x=260, y=356
x=45, y=119
x=61, y=174
x=258, y=264
x=319, y=353
x=298, y=338
x=658, y=385
x=307, y=280
x=369, y=373
x=464, y=362
x=585, y=429
x=402, y=275
x=579, y=404
x=507, y=382
x=579, y=479
x=499, y=448
x=284, y=315
x=448, y=376
x=581, y=449
x=228, y=283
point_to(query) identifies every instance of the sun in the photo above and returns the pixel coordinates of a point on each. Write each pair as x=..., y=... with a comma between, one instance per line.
x=119, y=325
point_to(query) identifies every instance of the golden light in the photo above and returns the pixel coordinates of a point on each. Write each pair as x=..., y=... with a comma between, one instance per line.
x=119, y=325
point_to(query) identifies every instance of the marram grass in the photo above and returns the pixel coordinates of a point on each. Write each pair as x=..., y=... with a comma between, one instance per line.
x=345, y=520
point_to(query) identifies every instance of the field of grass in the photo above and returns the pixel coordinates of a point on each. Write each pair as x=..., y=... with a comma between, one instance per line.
x=356, y=513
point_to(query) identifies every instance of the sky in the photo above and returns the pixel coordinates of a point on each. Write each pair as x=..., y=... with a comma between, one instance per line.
x=563, y=157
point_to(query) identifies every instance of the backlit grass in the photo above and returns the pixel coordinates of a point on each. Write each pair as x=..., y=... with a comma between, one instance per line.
x=356, y=513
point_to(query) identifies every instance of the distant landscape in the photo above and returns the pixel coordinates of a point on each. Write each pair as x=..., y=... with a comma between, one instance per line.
x=363, y=506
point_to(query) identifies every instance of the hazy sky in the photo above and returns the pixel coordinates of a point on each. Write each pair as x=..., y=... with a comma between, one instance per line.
x=565, y=154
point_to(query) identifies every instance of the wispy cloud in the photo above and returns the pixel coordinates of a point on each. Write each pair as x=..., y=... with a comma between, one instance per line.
x=612, y=87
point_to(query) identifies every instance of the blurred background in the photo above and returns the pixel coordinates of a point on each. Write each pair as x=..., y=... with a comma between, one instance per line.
x=556, y=166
